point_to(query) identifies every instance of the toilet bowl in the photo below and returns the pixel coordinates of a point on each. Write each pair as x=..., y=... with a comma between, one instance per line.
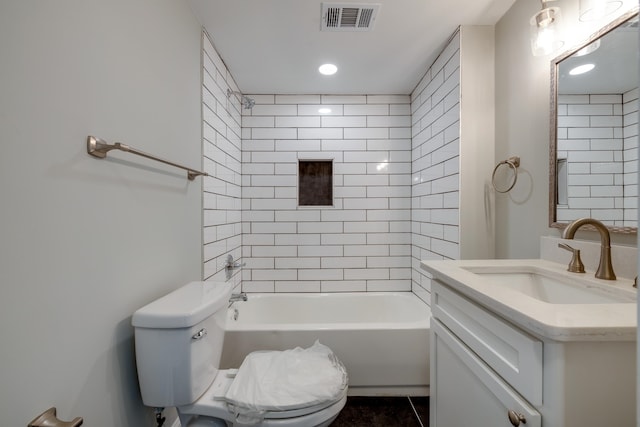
x=178, y=341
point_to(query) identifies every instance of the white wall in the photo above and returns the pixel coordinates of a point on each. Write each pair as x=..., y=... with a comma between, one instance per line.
x=85, y=242
x=362, y=243
x=522, y=128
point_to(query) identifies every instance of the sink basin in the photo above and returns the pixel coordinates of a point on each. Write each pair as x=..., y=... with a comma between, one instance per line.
x=543, y=298
x=552, y=288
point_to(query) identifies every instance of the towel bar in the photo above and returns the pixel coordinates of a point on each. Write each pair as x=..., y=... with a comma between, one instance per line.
x=99, y=148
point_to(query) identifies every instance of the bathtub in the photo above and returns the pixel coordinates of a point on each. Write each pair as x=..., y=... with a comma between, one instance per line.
x=382, y=338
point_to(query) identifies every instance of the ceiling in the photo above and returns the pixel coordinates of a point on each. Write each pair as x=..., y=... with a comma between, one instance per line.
x=276, y=46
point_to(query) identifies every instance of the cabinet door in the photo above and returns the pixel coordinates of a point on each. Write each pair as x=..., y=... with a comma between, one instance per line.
x=466, y=392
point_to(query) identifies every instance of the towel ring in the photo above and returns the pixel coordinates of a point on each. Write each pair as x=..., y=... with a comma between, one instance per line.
x=512, y=163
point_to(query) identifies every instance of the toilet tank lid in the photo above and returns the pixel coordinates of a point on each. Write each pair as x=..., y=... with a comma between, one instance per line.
x=184, y=307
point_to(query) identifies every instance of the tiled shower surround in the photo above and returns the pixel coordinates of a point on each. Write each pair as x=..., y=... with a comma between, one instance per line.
x=222, y=190
x=394, y=201
x=435, y=154
x=363, y=241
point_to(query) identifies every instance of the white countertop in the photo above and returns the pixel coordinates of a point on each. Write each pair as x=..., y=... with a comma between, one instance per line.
x=559, y=322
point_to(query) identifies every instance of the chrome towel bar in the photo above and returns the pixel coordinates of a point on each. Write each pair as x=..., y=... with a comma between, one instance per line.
x=99, y=148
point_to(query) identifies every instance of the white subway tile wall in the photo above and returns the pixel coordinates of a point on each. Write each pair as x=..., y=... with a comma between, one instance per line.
x=435, y=131
x=222, y=190
x=363, y=241
x=597, y=135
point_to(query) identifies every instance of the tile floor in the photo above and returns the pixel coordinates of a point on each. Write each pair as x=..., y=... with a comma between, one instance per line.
x=384, y=412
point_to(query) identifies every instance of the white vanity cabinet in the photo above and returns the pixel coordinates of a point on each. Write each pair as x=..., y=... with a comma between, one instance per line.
x=487, y=372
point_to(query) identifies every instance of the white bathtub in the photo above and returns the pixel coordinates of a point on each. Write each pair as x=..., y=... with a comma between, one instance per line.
x=382, y=338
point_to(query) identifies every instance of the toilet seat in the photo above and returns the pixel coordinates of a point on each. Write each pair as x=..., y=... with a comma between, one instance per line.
x=286, y=380
x=297, y=387
x=210, y=405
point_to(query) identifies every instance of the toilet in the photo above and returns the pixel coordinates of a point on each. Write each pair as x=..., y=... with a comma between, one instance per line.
x=178, y=342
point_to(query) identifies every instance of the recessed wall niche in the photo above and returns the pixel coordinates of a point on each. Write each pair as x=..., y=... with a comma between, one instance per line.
x=315, y=182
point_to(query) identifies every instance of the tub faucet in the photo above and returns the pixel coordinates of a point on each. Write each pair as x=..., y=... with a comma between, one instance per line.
x=230, y=265
x=242, y=296
x=605, y=268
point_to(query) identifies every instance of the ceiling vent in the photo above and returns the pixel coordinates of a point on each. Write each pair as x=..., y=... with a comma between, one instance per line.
x=348, y=16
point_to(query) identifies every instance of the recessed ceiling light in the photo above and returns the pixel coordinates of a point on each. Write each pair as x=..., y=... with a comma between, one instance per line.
x=581, y=69
x=327, y=69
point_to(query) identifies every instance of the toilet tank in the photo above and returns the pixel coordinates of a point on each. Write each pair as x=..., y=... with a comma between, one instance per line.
x=178, y=342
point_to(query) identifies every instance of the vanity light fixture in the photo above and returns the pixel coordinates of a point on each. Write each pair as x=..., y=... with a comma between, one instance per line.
x=594, y=10
x=581, y=69
x=327, y=69
x=545, y=29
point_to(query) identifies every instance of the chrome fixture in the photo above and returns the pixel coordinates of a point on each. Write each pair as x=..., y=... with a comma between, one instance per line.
x=545, y=29
x=99, y=148
x=246, y=102
x=199, y=335
x=230, y=265
x=575, y=265
x=605, y=268
x=242, y=296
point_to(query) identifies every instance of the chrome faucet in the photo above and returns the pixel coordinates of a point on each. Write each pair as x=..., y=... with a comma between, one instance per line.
x=605, y=268
x=242, y=296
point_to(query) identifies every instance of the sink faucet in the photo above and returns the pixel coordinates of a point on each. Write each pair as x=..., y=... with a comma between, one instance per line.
x=605, y=269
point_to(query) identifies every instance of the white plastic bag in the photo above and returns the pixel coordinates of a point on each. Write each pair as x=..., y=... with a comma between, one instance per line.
x=284, y=380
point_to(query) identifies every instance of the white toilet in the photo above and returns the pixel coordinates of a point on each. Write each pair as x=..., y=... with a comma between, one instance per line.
x=178, y=341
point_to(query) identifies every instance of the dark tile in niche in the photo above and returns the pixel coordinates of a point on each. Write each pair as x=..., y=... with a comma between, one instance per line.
x=315, y=183
x=377, y=412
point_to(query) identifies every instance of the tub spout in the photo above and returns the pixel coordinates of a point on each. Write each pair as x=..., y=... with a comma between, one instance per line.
x=605, y=268
x=242, y=296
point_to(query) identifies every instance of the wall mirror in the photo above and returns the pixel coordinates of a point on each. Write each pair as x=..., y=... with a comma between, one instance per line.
x=593, y=150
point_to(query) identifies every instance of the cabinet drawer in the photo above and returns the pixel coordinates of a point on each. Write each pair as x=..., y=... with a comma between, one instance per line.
x=513, y=354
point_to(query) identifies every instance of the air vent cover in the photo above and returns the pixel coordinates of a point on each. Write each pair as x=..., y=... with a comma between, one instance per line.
x=348, y=16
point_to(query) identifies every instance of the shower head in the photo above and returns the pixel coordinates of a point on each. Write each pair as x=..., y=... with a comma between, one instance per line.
x=245, y=101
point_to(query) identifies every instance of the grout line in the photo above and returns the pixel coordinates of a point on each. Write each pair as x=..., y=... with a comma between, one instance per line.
x=414, y=411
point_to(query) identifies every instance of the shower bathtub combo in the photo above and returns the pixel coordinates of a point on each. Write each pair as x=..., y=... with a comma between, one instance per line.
x=382, y=338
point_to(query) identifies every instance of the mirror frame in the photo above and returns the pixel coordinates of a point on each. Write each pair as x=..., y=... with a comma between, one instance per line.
x=553, y=128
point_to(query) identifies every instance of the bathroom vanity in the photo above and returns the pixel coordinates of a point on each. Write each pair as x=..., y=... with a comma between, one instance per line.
x=526, y=343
